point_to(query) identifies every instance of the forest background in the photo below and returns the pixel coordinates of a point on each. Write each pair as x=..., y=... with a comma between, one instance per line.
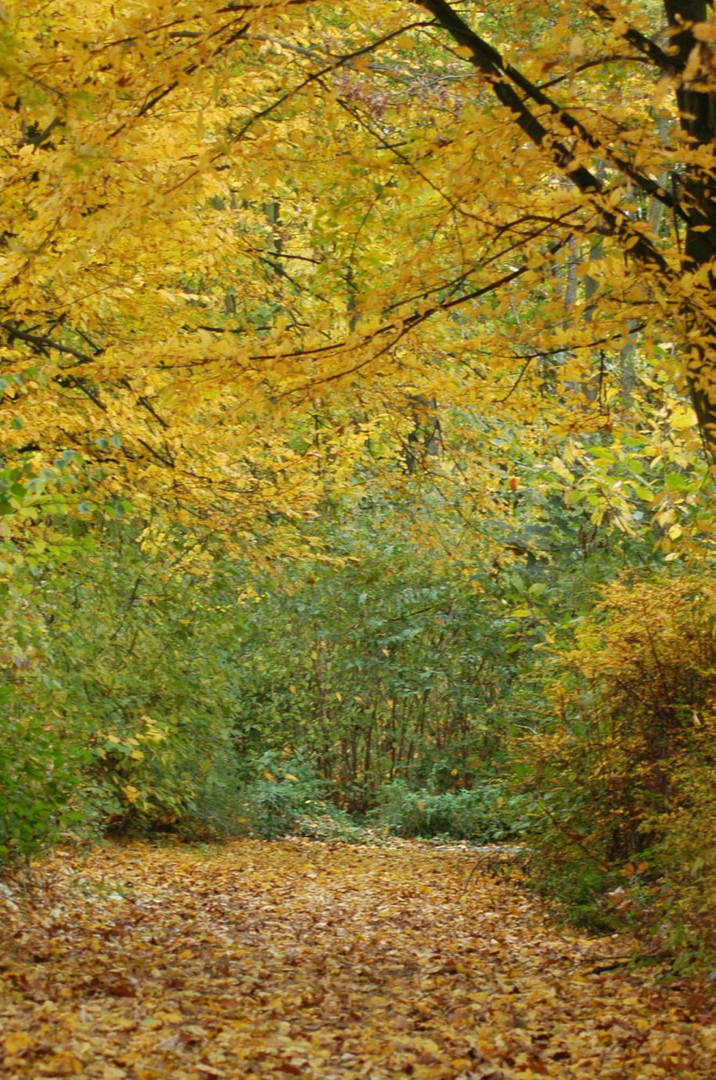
x=358, y=417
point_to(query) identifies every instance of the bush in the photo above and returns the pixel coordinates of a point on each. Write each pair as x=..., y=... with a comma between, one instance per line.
x=38, y=779
x=680, y=907
x=386, y=665
x=114, y=714
x=284, y=791
x=625, y=770
x=480, y=813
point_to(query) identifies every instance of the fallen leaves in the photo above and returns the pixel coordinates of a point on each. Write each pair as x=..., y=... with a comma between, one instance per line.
x=303, y=959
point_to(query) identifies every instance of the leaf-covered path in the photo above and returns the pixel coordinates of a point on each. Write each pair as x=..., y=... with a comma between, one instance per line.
x=317, y=961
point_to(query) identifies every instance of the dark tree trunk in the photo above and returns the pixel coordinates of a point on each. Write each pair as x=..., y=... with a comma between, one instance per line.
x=696, y=99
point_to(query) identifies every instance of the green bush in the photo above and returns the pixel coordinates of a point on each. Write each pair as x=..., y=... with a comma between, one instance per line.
x=385, y=666
x=284, y=791
x=481, y=814
x=115, y=708
x=39, y=775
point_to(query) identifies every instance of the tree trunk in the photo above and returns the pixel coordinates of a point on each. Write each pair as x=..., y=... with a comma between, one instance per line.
x=696, y=98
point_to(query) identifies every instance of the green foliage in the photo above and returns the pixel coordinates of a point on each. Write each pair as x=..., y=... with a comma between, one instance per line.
x=171, y=672
x=37, y=780
x=482, y=814
x=284, y=792
x=382, y=666
x=129, y=674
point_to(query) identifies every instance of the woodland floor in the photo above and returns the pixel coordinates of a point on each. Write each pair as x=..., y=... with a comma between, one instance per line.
x=323, y=961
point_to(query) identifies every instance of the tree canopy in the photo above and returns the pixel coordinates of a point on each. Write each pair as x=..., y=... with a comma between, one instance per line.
x=249, y=245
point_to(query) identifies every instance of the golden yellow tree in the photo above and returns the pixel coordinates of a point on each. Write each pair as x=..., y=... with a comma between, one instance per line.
x=227, y=224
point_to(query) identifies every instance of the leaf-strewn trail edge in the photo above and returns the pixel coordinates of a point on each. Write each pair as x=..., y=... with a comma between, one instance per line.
x=313, y=960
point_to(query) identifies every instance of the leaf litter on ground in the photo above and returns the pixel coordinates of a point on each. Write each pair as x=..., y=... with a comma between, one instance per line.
x=297, y=958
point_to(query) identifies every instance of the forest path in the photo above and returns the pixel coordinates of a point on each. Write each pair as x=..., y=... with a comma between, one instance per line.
x=320, y=961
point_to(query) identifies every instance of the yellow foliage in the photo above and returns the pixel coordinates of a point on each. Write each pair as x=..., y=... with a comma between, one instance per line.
x=628, y=766
x=224, y=222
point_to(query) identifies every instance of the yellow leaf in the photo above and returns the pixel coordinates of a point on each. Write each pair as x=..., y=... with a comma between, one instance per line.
x=704, y=31
x=561, y=469
x=113, y=1072
x=682, y=417
x=670, y=1045
x=16, y=1042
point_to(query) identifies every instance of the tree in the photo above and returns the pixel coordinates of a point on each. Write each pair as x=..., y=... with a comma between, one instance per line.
x=232, y=228
x=599, y=166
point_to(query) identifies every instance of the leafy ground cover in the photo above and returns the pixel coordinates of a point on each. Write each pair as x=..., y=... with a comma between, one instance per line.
x=319, y=960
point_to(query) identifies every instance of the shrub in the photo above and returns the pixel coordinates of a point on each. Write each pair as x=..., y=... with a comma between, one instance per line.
x=38, y=776
x=384, y=666
x=680, y=907
x=284, y=790
x=625, y=768
x=479, y=813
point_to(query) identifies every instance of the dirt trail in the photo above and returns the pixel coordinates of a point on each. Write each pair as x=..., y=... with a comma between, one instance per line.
x=320, y=961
